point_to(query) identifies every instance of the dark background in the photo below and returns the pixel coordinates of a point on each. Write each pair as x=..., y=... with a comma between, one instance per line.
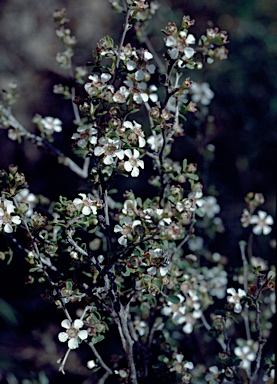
x=245, y=138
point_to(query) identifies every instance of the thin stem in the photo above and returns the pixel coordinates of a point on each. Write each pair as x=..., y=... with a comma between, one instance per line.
x=40, y=142
x=188, y=235
x=123, y=317
x=74, y=106
x=42, y=265
x=250, y=246
x=208, y=327
x=154, y=328
x=102, y=380
x=261, y=341
x=121, y=334
x=125, y=29
x=150, y=47
x=61, y=367
x=99, y=358
x=147, y=106
x=72, y=242
x=245, y=314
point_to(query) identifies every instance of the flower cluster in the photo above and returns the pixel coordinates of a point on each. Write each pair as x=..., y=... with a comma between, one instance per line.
x=147, y=266
x=8, y=221
x=261, y=223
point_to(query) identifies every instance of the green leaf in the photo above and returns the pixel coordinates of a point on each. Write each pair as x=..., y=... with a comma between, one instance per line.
x=127, y=272
x=151, y=299
x=172, y=199
x=139, y=201
x=184, y=165
x=173, y=299
x=237, y=362
x=95, y=369
x=158, y=284
x=192, y=176
x=271, y=275
x=87, y=274
x=219, y=312
x=199, y=212
x=7, y=313
x=97, y=339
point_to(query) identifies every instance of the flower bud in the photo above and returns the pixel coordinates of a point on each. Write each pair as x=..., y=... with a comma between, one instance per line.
x=13, y=169
x=171, y=28
x=3, y=173
x=23, y=207
x=38, y=220
x=271, y=285
x=134, y=262
x=120, y=166
x=166, y=115
x=252, y=289
x=154, y=113
x=19, y=178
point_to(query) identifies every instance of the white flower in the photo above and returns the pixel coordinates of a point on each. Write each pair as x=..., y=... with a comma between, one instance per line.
x=140, y=326
x=110, y=148
x=155, y=141
x=212, y=376
x=263, y=222
x=84, y=135
x=132, y=165
x=136, y=129
x=180, y=315
x=140, y=91
x=97, y=84
x=130, y=208
x=73, y=333
x=201, y=93
x=209, y=206
x=88, y=205
x=245, y=218
x=51, y=124
x=235, y=298
x=126, y=229
x=246, y=351
x=91, y=364
x=6, y=220
x=121, y=95
x=196, y=243
x=178, y=310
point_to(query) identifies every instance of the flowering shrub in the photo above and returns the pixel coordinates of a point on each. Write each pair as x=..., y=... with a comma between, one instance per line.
x=142, y=266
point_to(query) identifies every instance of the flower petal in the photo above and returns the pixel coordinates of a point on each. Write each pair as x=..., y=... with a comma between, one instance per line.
x=83, y=334
x=128, y=153
x=78, y=323
x=8, y=228
x=66, y=324
x=128, y=166
x=62, y=336
x=73, y=344
x=122, y=240
x=86, y=211
x=135, y=172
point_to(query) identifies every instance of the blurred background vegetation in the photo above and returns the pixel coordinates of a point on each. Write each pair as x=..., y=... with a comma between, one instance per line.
x=244, y=136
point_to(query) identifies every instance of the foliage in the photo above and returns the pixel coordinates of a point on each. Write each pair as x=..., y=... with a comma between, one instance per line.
x=140, y=266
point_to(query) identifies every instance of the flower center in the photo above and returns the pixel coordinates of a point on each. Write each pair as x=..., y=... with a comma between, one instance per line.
x=72, y=333
x=133, y=162
x=109, y=150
